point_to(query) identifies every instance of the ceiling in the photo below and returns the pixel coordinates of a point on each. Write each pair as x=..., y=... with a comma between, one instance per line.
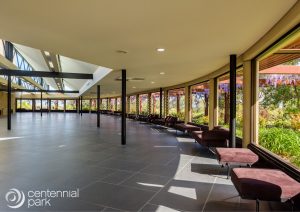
x=198, y=35
x=36, y=59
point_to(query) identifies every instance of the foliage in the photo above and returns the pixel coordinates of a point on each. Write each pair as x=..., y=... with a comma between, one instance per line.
x=200, y=118
x=282, y=141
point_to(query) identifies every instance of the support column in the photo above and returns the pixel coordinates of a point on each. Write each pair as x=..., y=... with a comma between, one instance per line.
x=98, y=105
x=166, y=102
x=9, y=102
x=187, y=104
x=78, y=105
x=65, y=105
x=123, y=133
x=49, y=105
x=137, y=102
x=149, y=103
x=107, y=103
x=160, y=102
x=232, y=124
x=81, y=105
x=41, y=103
x=212, y=105
x=247, y=103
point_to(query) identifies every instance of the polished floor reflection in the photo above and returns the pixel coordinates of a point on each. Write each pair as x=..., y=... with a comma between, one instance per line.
x=155, y=171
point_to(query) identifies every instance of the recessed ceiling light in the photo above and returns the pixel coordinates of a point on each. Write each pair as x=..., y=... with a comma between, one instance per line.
x=152, y=82
x=162, y=73
x=133, y=87
x=160, y=49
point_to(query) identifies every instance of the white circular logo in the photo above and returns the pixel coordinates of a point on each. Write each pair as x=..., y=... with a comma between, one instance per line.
x=15, y=198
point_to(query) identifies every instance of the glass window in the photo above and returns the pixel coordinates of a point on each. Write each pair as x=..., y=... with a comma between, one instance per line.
x=103, y=105
x=86, y=105
x=71, y=105
x=155, y=103
x=199, y=95
x=25, y=104
x=239, y=103
x=176, y=104
x=223, y=100
x=279, y=103
x=143, y=103
x=119, y=106
x=57, y=105
x=132, y=104
x=112, y=105
x=93, y=104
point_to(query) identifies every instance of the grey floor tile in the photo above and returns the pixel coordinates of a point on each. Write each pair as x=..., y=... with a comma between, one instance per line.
x=183, y=195
x=117, y=177
x=158, y=208
x=147, y=182
x=161, y=170
x=122, y=165
x=115, y=196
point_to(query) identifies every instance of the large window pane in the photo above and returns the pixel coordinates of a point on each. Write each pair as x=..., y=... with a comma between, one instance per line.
x=239, y=103
x=200, y=94
x=86, y=105
x=143, y=98
x=25, y=104
x=176, y=105
x=112, y=105
x=223, y=101
x=119, y=106
x=132, y=104
x=57, y=105
x=279, y=103
x=155, y=103
x=38, y=104
x=93, y=104
x=70, y=104
x=103, y=105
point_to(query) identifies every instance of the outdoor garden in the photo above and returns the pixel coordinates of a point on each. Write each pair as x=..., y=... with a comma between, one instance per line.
x=279, y=110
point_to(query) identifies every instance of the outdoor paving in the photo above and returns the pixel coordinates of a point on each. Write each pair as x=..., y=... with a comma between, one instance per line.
x=155, y=171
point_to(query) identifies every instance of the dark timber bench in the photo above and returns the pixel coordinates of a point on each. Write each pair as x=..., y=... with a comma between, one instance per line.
x=264, y=184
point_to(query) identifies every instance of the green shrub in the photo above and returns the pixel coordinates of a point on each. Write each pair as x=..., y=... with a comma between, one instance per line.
x=282, y=141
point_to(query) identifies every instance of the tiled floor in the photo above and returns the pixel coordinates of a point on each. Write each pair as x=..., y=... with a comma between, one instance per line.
x=155, y=171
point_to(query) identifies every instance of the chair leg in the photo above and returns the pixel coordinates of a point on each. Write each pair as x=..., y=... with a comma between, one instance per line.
x=257, y=205
x=228, y=170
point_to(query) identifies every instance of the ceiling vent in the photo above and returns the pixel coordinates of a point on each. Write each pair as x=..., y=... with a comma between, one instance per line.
x=131, y=79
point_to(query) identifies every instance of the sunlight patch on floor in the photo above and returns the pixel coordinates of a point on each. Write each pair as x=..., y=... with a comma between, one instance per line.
x=182, y=191
x=9, y=138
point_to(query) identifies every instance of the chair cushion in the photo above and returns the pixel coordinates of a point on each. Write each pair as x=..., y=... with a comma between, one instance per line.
x=236, y=156
x=264, y=184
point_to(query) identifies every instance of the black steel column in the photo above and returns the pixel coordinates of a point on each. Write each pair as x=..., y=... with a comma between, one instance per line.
x=9, y=102
x=160, y=102
x=98, y=105
x=81, y=105
x=232, y=126
x=41, y=103
x=123, y=133
x=65, y=105
x=78, y=105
